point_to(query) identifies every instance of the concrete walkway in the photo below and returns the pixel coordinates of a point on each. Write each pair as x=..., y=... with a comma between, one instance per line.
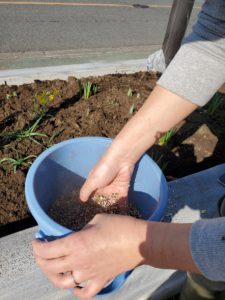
x=190, y=198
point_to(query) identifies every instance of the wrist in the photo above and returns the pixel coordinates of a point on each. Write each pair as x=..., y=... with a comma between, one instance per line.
x=167, y=246
x=117, y=153
x=138, y=239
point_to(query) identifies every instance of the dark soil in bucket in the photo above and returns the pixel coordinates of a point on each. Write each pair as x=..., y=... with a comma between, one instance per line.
x=35, y=116
x=71, y=213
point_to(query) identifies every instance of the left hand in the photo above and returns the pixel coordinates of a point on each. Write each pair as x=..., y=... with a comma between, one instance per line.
x=109, y=245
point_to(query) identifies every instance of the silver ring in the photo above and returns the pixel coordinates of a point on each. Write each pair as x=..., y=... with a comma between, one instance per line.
x=74, y=281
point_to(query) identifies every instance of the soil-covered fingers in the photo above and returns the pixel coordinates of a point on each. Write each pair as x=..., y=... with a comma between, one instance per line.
x=92, y=288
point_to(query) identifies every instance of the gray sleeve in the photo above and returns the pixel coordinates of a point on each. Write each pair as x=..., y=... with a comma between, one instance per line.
x=198, y=69
x=208, y=247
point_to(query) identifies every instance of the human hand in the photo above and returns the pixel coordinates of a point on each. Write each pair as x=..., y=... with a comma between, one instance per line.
x=109, y=245
x=108, y=176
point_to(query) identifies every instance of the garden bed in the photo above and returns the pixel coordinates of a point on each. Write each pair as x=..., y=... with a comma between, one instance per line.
x=35, y=116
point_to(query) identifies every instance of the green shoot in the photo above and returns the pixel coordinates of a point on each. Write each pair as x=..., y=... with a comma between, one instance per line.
x=9, y=96
x=81, y=88
x=132, y=109
x=87, y=90
x=28, y=133
x=95, y=88
x=55, y=134
x=18, y=161
x=129, y=92
x=214, y=103
x=164, y=140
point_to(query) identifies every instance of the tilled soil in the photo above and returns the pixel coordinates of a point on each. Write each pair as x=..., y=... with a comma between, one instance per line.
x=197, y=144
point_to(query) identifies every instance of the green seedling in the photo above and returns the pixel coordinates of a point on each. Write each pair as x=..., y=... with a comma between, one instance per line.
x=214, y=104
x=9, y=96
x=87, y=90
x=164, y=140
x=28, y=133
x=18, y=161
x=55, y=134
x=132, y=109
x=81, y=88
x=94, y=88
x=129, y=92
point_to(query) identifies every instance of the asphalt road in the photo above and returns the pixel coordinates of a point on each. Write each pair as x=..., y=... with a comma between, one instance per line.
x=75, y=28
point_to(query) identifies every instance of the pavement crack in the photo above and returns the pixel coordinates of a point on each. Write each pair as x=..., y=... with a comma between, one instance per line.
x=140, y=6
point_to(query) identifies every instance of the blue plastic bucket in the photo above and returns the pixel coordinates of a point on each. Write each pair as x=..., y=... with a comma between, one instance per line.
x=64, y=167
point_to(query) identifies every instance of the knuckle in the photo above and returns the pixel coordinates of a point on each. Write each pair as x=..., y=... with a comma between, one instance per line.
x=79, y=277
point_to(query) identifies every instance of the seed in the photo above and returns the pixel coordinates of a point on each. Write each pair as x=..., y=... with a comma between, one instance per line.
x=68, y=211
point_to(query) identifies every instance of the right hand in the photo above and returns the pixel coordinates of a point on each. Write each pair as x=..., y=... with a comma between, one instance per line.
x=108, y=176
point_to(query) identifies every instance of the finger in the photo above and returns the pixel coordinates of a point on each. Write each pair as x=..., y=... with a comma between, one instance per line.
x=49, y=250
x=92, y=288
x=63, y=281
x=53, y=266
x=87, y=189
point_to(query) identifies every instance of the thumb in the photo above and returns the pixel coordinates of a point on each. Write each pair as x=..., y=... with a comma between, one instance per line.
x=88, y=188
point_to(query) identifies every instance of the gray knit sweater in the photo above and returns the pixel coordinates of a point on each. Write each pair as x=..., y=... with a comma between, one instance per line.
x=196, y=73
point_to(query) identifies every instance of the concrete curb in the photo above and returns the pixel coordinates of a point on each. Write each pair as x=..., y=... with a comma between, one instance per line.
x=28, y=75
x=37, y=59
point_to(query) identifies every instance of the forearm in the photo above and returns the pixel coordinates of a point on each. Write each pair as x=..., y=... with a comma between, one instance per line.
x=167, y=246
x=161, y=111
